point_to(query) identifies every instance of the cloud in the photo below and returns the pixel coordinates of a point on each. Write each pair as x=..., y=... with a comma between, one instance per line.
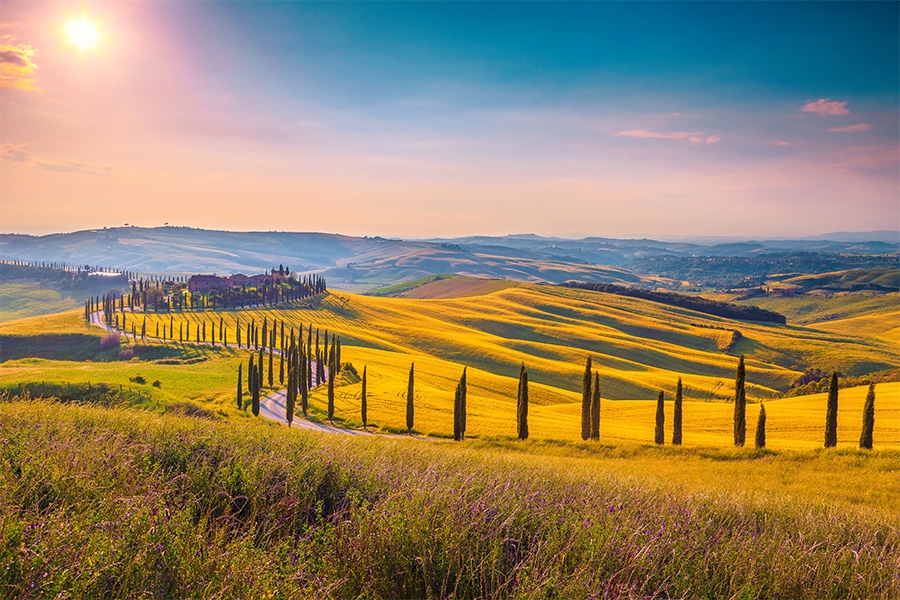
x=851, y=128
x=691, y=136
x=72, y=167
x=15, y=153
x=16, y=66
x=824, y=107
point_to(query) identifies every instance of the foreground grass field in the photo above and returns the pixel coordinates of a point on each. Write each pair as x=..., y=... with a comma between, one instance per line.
x=168, y=506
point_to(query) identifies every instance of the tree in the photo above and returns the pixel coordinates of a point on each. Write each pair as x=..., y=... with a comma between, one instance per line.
x=281, y=368
x=595, y=408
x=586, y=401
x=462, y=403
x=761, y=427
x=676, y=418
x=410, y=393
x=257, y=383
x=240, y=385
x=331, y=374
x=304, y=381
x=291, y=389
x=660, y=419
x=271, y=378
x=522, y=404
x=364, y=406
x=740, y=405
x=831, y=414
x=868, y=426
x=251, y=378
x=459, y=409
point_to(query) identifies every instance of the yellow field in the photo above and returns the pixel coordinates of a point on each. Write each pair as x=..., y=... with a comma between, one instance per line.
x=638, y=347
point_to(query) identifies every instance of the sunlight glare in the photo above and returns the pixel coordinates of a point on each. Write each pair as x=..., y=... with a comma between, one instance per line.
x=82, y=33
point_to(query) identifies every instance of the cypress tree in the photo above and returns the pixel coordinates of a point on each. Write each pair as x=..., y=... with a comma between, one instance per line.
x=522, y=405
x=676, y=418
x=868, y=426
x=586, y=401
x=271, y=378
x=463, y=387
x=281, y=368
x=595, y=408
x=761, y=427
x=259, y=366
x=331, y=374
x=240, y=385
x=251, y=378
x=740, y=405
x=456, y=416
x=304, y=383
x=364, y=405
x=459, y=408
x=291, y=395
x=257, y=377
x=265, y=331
x=660, y=419
x=410, y=396
x=831, y=415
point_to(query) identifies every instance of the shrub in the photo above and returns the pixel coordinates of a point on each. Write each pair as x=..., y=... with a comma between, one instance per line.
x=137, y=379
x=111, y=340
x=126, y=353
x=157, y=384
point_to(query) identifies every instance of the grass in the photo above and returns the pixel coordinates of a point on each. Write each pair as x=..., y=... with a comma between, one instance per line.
x=174, y=506
x=640, y=347
x=27, y=299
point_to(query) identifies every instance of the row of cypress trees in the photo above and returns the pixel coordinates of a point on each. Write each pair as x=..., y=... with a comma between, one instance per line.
x=740, y=411
x=299, y=382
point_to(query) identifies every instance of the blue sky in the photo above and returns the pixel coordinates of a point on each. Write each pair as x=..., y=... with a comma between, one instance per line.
x=422, y=119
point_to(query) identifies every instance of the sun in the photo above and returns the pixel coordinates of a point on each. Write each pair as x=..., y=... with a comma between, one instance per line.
x=82, y=33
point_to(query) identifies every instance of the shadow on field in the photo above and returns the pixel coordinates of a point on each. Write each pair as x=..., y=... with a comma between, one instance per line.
x=52, y=346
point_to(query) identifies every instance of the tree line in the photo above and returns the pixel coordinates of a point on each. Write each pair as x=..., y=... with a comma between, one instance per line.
x=697, y=303
x=590, y=413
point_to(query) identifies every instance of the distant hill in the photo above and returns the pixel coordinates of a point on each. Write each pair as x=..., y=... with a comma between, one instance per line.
x=363, y=263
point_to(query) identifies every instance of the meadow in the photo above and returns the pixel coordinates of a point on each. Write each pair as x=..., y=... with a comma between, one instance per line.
x=637, y=346
x=172, y=506
x=130, y=497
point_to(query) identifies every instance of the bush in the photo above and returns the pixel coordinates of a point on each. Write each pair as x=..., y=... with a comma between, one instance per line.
x=126, y=353
x=111, y=340
x=137, y=379
x=157, y=384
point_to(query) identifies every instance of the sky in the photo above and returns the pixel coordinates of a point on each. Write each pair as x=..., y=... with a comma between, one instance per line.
x=412, y=120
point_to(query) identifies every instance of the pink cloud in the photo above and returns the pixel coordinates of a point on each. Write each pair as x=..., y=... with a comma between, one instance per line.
x=824, y=107
x=691, y=136
x=14, y=152
x=71, y=166
x=851, y=128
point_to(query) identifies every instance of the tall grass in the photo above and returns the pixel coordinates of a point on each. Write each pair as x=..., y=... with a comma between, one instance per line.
x=122, y=503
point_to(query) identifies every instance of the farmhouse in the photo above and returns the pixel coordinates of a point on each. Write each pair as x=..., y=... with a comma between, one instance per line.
x=206, y=283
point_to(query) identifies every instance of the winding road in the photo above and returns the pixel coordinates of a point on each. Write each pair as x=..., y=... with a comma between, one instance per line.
x=271, y=407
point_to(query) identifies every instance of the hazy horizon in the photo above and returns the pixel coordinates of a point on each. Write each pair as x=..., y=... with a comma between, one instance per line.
x=875, y=235
x=656, y=120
